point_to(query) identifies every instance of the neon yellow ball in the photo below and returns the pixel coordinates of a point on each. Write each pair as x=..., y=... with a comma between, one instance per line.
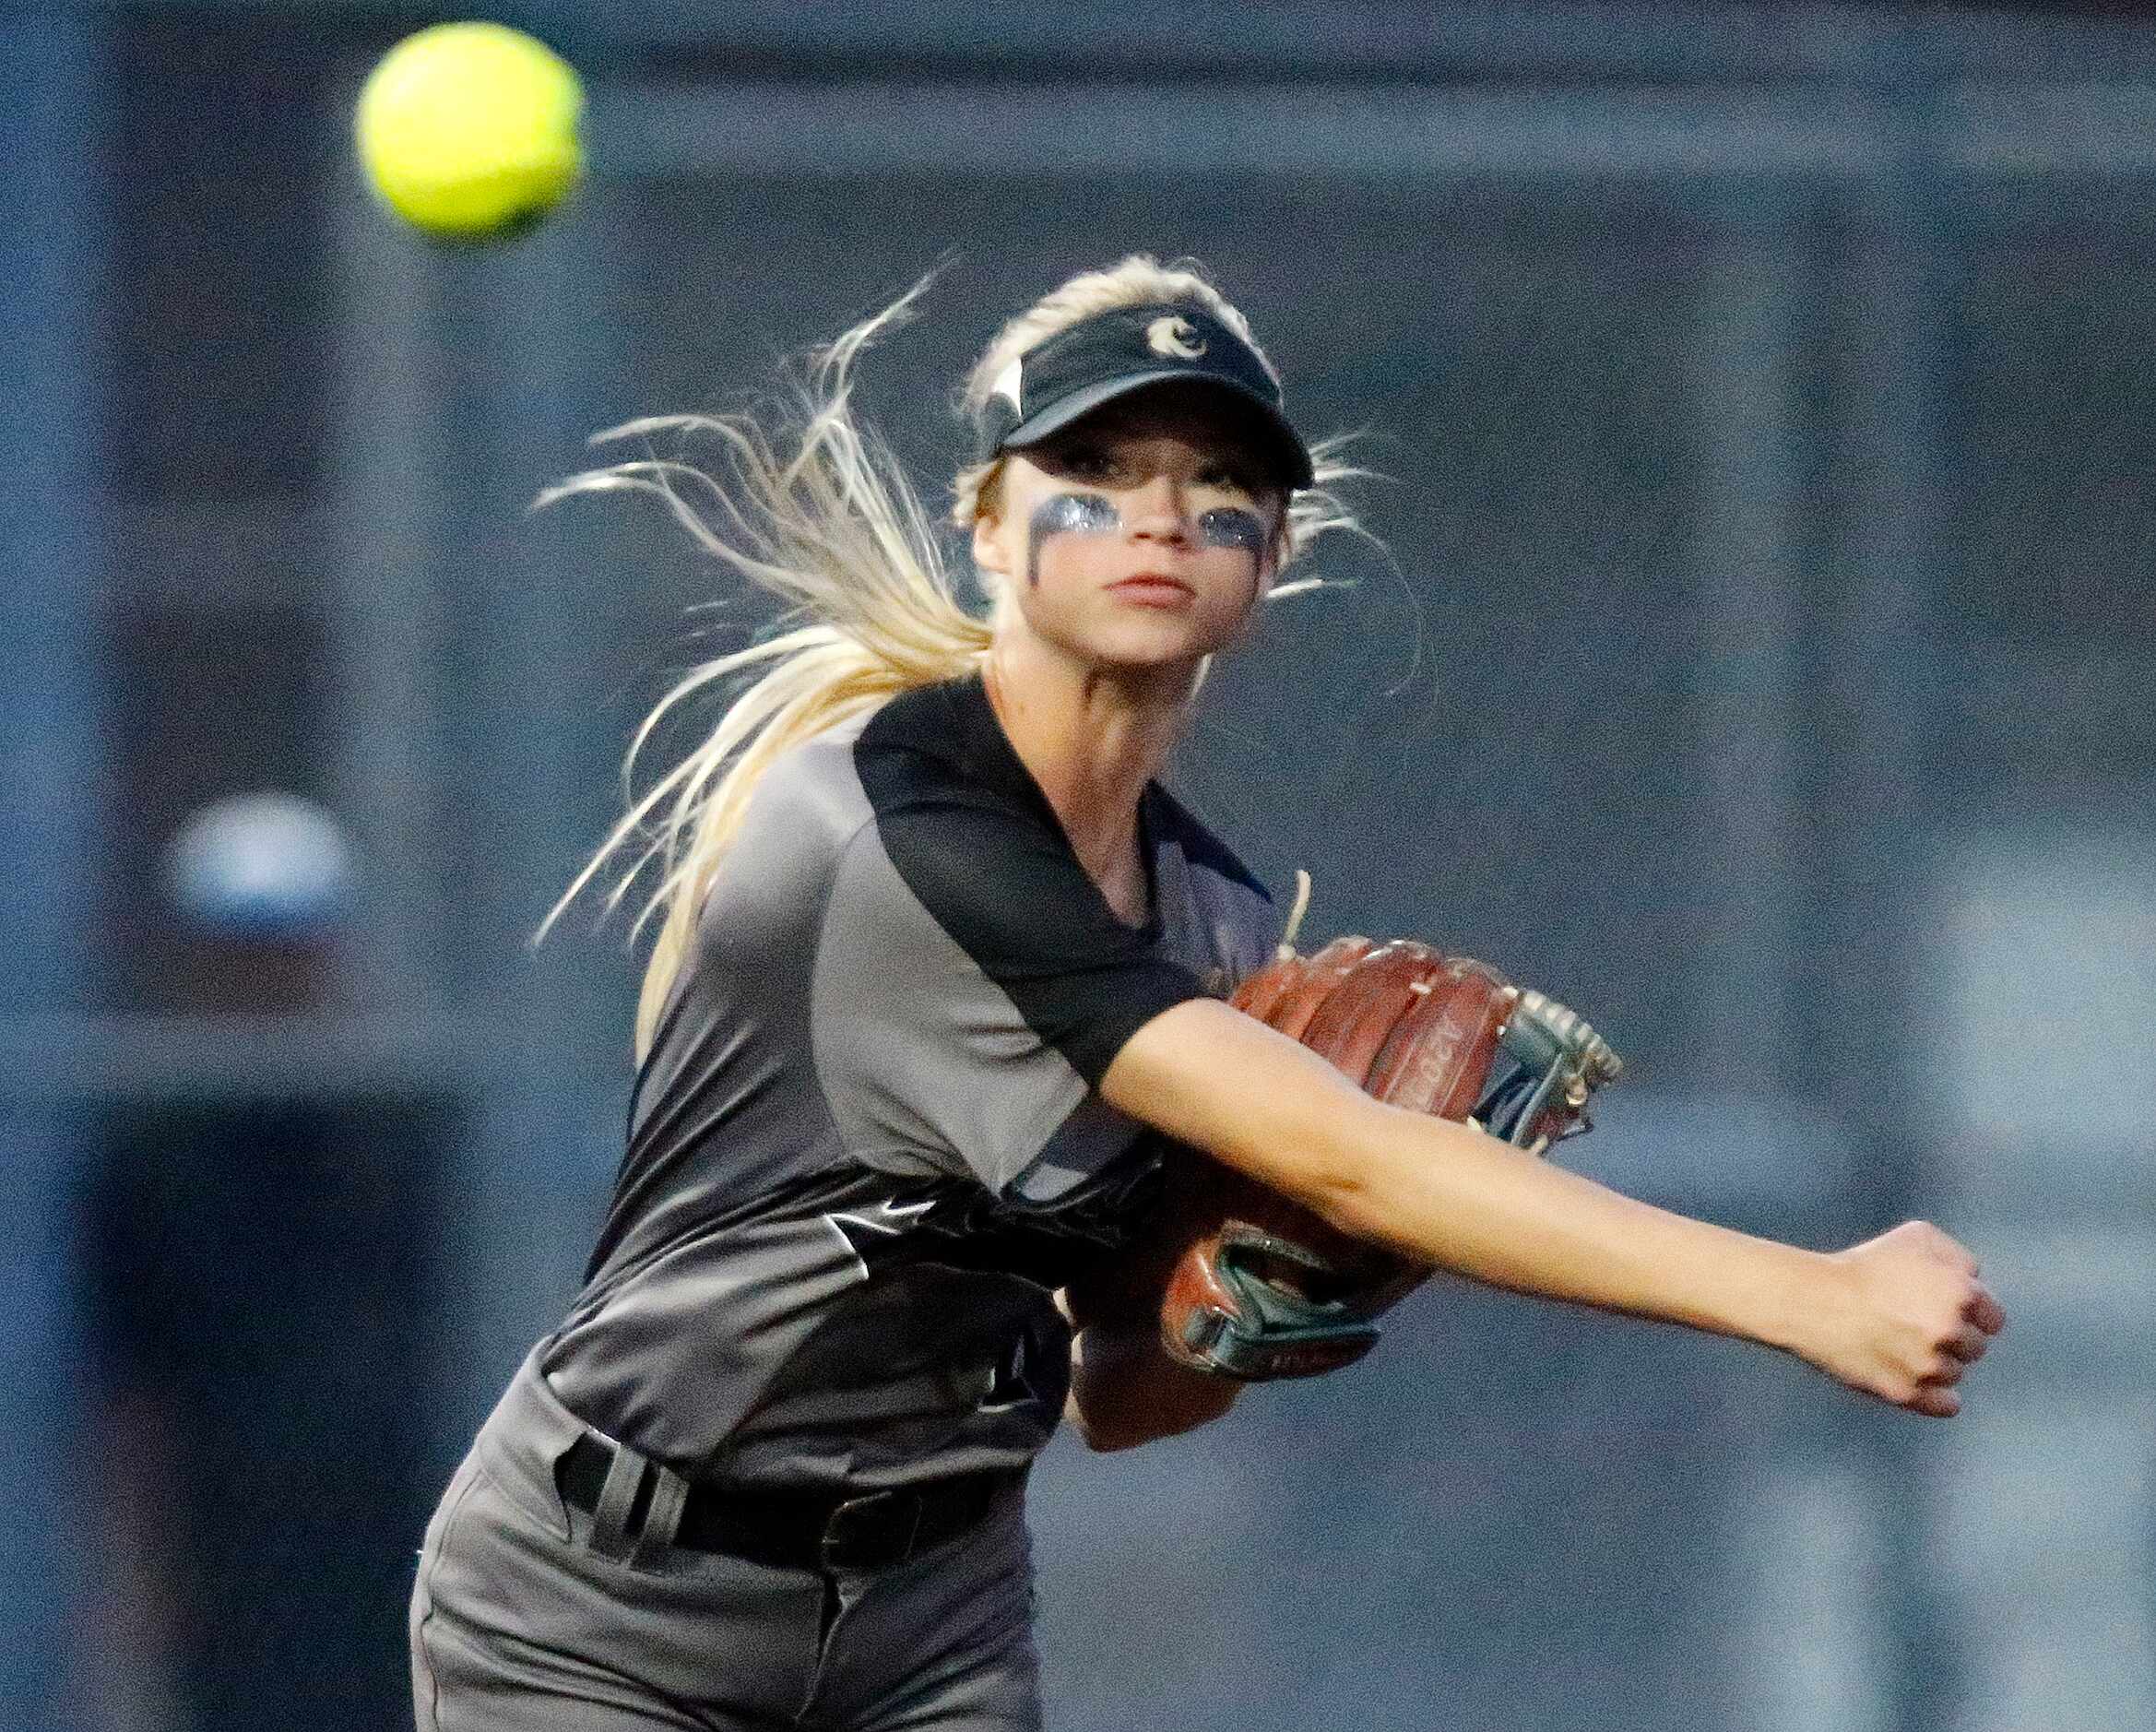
x=469, y=129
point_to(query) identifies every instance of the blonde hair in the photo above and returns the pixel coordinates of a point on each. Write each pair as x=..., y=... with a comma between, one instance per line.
x=821, y=517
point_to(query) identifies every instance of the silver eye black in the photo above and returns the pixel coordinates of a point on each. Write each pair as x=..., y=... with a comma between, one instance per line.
x=1230, y=527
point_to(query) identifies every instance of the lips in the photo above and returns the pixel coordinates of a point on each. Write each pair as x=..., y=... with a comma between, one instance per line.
x=1152, y=589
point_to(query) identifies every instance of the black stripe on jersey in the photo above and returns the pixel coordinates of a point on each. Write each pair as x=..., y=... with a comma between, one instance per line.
x=977, y=843
x=1168, y=816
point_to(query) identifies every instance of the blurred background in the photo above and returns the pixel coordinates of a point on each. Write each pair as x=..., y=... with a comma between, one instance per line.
x=1764, y=664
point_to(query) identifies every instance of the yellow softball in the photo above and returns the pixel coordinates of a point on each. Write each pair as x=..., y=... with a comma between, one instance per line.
x=470, y=129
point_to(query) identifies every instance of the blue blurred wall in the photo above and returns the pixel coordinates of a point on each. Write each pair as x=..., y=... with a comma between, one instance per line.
x=1762, y=662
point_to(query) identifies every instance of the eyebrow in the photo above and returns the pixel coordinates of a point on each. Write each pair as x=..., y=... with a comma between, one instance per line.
x=1236, y=452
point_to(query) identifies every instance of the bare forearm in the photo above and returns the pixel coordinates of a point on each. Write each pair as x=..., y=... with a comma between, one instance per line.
x=1454, y=1197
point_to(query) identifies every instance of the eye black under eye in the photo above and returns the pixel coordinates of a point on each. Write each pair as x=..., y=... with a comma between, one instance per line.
x=1229, y=526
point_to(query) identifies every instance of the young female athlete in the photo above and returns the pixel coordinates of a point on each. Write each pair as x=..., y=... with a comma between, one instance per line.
x=937, y=952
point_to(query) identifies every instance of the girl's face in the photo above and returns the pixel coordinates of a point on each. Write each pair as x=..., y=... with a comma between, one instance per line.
x=1143, y=535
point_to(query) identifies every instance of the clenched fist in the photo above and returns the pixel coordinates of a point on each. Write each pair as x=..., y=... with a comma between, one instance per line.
x=1902, y=1317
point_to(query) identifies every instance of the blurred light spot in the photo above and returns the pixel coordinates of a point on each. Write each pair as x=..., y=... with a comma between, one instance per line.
x=261, y=864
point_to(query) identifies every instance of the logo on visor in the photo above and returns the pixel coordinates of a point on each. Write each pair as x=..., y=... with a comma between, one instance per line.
x=1173, y=335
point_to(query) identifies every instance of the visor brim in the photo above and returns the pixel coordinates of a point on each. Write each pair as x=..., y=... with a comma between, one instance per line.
x=1045, y=423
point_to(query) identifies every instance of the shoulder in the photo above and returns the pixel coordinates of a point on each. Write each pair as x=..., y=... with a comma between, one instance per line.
x=962, y=823
x=816, y=775
x=804, y=810
x=984, y=872
x=940, y=746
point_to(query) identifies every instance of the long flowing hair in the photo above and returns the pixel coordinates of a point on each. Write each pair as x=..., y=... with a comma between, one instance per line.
x=810, y=506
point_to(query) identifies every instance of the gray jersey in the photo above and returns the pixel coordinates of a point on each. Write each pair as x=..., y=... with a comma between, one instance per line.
x=866, y=1147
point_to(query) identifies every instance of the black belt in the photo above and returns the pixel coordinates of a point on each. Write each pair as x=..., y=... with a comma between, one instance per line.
x=801, y=1530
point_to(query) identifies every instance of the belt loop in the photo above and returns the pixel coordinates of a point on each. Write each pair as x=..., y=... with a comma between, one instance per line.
x=609, y=1536
x=670, y=1492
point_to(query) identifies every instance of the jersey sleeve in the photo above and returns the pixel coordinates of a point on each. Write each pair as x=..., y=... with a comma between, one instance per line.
x=971, y=988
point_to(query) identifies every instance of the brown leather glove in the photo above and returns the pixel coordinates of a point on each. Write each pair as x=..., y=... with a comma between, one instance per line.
x=1266, y=1289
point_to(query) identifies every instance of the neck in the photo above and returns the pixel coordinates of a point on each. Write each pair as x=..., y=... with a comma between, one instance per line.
x=1092, y=738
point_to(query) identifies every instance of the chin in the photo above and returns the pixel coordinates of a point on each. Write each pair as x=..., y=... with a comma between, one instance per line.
x=1132, y=659
x=1142, y=644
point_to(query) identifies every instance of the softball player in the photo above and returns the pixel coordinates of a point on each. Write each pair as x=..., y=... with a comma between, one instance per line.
x=937, y=953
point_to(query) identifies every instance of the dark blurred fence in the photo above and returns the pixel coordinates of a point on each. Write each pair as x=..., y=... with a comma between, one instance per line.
x=1763, y=663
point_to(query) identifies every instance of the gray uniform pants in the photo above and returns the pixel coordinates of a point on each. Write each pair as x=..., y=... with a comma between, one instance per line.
x=520, y=1619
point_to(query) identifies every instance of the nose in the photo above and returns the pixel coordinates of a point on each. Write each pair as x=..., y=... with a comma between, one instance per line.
x=1156, y=510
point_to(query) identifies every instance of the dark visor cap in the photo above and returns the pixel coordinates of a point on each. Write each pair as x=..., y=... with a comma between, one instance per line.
x=1114, y=353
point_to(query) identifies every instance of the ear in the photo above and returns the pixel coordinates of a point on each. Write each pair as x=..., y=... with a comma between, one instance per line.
x=989, y=551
